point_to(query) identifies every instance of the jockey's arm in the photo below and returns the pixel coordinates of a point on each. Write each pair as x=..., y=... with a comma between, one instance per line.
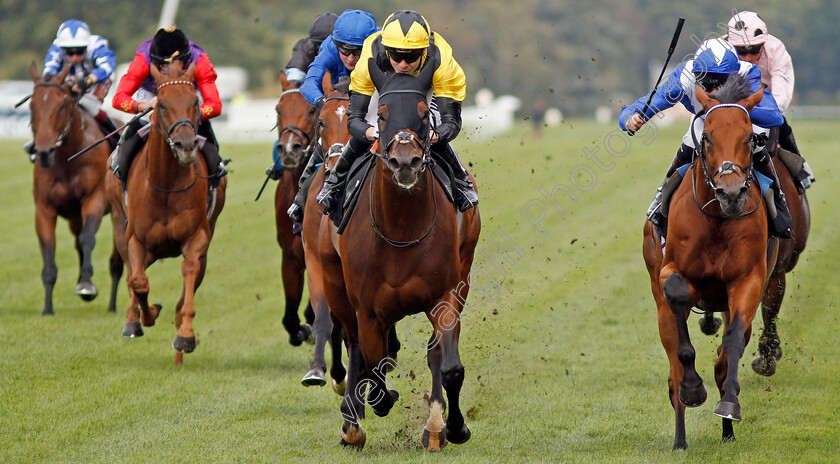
x=54, y=61
x=205, y=79
x=667, y=95
x=311, y=87
x=137, y=72
x=450, y=117
x=356, y=123
x=105, y=61
x=766, y=114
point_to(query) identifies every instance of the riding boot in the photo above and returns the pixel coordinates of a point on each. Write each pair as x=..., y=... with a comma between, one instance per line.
x=465, y=195
x=787, y=141
x=296, y=209
x=215, y=166
x=331, y=192
x=108, y=127
x=780, y=219
x=130, y=142
x=655, y=211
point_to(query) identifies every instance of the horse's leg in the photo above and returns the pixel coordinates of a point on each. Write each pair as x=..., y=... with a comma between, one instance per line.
x=337, y=370
x=92, y=211
x=292, y=270
x=374, y=345
x=309, y=313
x=192, y=269
x=45, y=219
x=446, y=321
x=769, y=347
x=744, y=297
x=434, y=433
x=393, y=343
x=677, y=292
x=322, y=329
x=138, y=282
x=668, y=335
x=116, y=268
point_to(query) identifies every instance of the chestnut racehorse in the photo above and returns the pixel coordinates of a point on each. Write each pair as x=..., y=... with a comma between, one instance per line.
x=406, y=250
x=717, y=254
x=74, y=190
x=295, y=123
x=166, y=212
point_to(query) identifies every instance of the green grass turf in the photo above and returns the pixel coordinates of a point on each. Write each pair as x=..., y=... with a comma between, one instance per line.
x=562, y=354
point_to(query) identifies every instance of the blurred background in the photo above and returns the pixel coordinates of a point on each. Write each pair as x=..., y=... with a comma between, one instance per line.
x=573, y=59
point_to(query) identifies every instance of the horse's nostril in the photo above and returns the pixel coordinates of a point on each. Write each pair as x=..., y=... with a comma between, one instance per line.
x=416, y=162
x=393, y=164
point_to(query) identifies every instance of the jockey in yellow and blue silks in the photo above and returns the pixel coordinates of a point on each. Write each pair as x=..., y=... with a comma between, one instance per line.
x=338, y=55
x=713, y=62
x=91, y=64
x=405, y=44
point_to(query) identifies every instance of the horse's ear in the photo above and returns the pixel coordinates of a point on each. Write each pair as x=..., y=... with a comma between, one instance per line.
x=383, y=117
x=155, y=73
x=326, y=83
x=753, y=100
x=285, y=82
x=376, y=75
x=190, y=74
x=423, y=111
x=33, y=72
x=705, y=101
x=428, y=72
x=62, y=75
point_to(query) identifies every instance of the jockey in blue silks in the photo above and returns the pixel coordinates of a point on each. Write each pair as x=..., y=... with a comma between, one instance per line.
x=714, y=61
x=91, y=65
x=338, y=55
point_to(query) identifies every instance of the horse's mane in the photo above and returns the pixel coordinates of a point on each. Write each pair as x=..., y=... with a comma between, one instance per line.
x=343, y=84
x=736, y=88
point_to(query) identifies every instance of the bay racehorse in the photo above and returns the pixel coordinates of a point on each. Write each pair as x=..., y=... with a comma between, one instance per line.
x=74, y=190
x=295, y=123
x=168, y=211
x=717, y=254
x=406, y=250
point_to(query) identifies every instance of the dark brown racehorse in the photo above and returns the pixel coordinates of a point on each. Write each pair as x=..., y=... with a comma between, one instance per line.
x=405, y=251
x=73, y=190
x=295, y=122
x=167, y=212
x=717, y=254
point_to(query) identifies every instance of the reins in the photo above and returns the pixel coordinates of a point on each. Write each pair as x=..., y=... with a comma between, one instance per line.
x=167, y=138
x=64, y=105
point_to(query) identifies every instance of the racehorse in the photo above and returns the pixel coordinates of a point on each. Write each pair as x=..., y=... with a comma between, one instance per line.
x=406, y=250
x=167, y=211
x=295, y=123
x=717, y=254
x=73, y=190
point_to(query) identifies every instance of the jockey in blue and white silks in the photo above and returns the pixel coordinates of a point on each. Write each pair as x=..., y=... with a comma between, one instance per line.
x=714, y=61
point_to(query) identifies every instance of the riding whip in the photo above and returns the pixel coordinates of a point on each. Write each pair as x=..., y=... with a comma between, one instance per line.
x=135, y=118
x=674, y=40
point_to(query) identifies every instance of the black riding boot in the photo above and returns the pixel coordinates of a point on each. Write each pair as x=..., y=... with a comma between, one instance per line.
x=465, y=195
x=654, y=213
x=780, y=224
x=127, y=147
x=330, y=194
x=108, y=127
x=215, y=167
x=787, y=141
x=298, y=205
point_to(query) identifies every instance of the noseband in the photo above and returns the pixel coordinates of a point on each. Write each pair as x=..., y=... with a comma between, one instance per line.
x=727, y=167
x=180, y=122
x=64, y=105
x=306, y=137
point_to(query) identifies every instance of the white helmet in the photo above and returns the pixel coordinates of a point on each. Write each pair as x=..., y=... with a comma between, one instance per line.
x=746, y=28
x=73, y=33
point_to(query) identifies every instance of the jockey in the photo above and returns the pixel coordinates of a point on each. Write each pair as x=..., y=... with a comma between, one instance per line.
x=714, y=61
x=405, y=44
x=167, y=45
x=748, y=33
x=91, y=67
x=338, y=56
x=305, y=50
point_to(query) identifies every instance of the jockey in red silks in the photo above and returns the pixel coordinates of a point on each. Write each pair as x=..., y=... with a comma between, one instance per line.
x=137, y=92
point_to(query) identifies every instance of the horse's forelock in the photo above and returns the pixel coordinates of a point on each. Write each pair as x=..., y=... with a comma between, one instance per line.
x=735, y=89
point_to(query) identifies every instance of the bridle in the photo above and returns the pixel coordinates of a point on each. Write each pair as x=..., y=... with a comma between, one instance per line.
x=167, y=136
x=727, y=167
x=306, y=138
x=64, y=105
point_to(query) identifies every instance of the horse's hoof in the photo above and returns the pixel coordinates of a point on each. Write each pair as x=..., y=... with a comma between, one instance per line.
x=692, y=396
x=390, y=366
x=386, y=408
x=354, y=437
x=148, y=318
x=434, y=441
x=132, y=330
x=86, y=290
x=728, y=410
x=764, y=366
x=48, y=312
x=183, y=344
x=306, y=334
x=709, y=325
x=314, y=378
x=460, y=436
x=340, y=387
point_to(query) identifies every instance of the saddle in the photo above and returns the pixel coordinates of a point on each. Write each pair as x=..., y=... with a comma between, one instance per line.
x=356, y=179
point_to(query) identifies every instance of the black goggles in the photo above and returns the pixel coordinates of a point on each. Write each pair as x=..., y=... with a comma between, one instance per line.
x=751, y=50
x=407, y=55
x=75, y=51
x=347, y=49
